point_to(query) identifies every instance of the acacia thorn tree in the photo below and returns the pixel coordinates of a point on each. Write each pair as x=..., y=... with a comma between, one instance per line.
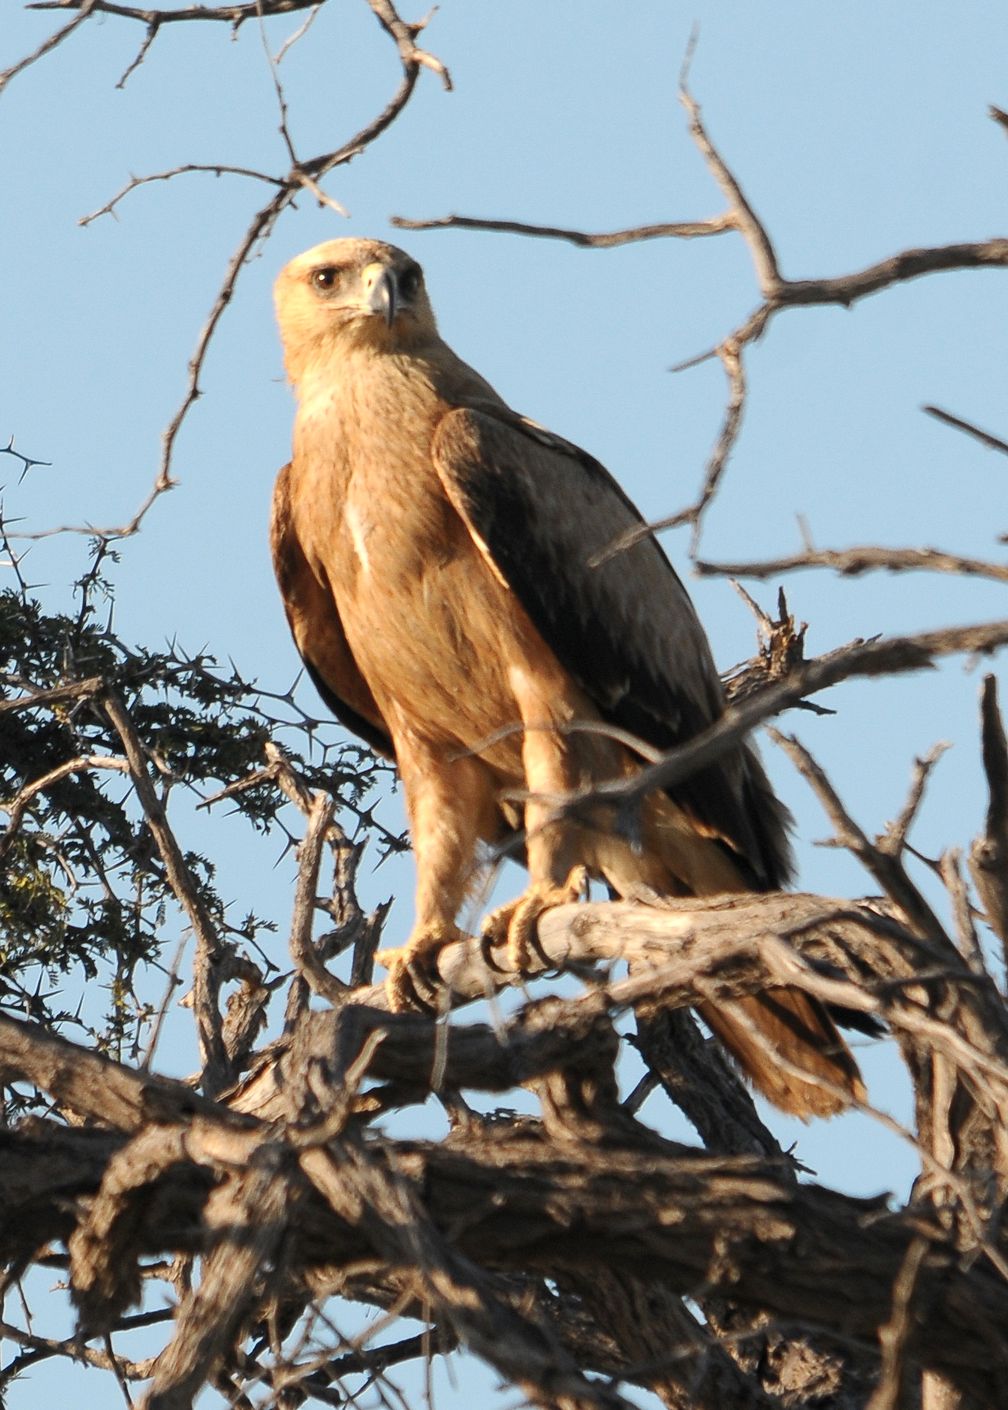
x=229, y=1173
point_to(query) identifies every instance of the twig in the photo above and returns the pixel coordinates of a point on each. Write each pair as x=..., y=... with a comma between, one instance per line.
x=303, y=174
x=303, y=952
x=884, y=864
x=894, y=840
x=950, y=868
x=28, y=462
x=882, y=656
x=207, y=969
x=232, y=14
x=684, y=230
x=299, y=33
x=984, y=437
x=777, y=292
x=743, y=216
x=988, y=858
x=405, y=36
x=210, y=168
x=18, y=805
x=85, y=9
x=863, y=559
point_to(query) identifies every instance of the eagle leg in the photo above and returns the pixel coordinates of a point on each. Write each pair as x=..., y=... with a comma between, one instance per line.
x=517, y=922
x=413, y=981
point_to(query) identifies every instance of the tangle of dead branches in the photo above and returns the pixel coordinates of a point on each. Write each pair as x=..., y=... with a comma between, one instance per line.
x=242, y=1214
x=564, y=1248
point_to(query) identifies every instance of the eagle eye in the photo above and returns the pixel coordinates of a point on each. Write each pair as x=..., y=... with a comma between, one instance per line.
x=409, y=281
x=325, y=278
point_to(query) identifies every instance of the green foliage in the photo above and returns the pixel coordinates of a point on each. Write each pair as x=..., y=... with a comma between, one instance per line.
x=83, y=888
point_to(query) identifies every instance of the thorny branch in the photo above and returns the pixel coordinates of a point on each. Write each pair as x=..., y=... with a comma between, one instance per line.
x=238, y=1161
x=247, y=1170
x=304, y=174
x=882, y=656
x=570, y=1248
x=208, y=968
x=27, y=462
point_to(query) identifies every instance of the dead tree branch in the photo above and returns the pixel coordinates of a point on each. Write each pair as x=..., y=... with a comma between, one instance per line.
x=777, y=293
x=694, y=1223
x=883, y=656
x=303, y=174
x=984, y=437
x=989, y=852
x=209, y=970
x=868, y=558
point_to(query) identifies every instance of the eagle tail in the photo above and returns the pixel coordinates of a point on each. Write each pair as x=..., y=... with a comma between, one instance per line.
x=783, y=1039
x=790, y=1049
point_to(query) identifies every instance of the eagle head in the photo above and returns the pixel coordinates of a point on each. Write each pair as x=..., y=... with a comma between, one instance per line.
x=347, y=294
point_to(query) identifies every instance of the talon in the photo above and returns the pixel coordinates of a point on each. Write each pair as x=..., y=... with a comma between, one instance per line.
x=413, y=981
x=517, y=922
x=487, y=942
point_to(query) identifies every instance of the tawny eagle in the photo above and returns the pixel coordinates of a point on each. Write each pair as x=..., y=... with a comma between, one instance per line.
x=437, y=554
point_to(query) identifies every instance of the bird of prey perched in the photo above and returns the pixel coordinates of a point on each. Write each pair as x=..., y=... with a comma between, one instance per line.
x=437, y=556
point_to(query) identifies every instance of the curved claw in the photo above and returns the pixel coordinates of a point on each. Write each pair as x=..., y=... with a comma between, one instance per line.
x=413, y=981
x=518, y=920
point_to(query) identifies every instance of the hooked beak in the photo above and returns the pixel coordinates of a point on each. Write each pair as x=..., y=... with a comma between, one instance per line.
x=381, y=295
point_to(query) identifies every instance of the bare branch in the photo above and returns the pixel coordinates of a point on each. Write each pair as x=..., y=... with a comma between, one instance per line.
x=883, y=656
x=105, y=1093
x=18, y=805
x=741, y=213
x=400, y=1228
x=777, y=292
x=258, y=1202
x=405, y=36
x=894, y=840
x=966, y=935
x=85, y=8
x=847, y=289
x=989, y=853
x=235, y=15
x=863, y=559
x=684, y=230
x=692, y=1222
x=303, y=174
x=27, y=462
x=208, y=973
x=55, y=695
x=984, y=437
x=303, y=951
x=730, y=355
x=881, y=858
x=212, y=168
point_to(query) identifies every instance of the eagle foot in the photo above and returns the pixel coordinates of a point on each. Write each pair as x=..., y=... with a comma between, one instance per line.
x=413, y=981
x=517, y=922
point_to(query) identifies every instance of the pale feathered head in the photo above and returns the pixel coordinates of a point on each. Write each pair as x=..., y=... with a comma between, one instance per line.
x=348, y=294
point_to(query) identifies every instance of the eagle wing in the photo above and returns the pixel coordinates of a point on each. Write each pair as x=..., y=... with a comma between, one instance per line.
x=318, y=630
x=544, y=512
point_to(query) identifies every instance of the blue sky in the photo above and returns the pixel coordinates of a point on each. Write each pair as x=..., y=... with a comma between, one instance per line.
x=855, y=131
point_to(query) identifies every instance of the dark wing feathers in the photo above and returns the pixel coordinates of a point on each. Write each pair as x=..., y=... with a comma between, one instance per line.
x=624, y=628
x=318, y=632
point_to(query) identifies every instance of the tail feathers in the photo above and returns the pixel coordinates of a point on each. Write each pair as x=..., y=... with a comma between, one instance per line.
x=760, y=1030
